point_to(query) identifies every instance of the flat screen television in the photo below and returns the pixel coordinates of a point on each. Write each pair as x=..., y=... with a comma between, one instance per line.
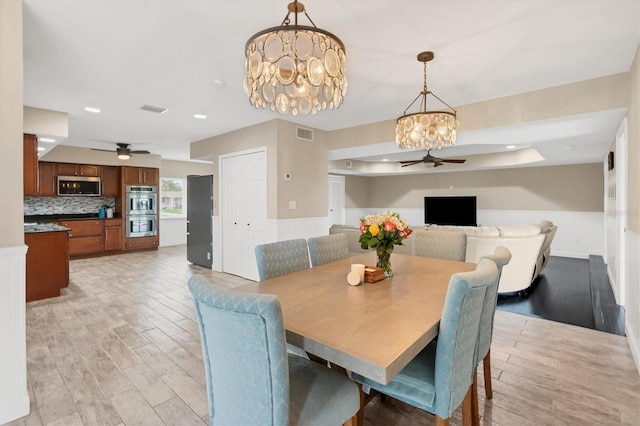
x=450, y=211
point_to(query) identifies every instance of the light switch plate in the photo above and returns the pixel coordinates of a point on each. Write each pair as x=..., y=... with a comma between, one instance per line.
x=292, y=205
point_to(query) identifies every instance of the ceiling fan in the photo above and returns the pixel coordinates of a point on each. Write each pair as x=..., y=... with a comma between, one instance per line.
x=431, y=159
x=124, y=151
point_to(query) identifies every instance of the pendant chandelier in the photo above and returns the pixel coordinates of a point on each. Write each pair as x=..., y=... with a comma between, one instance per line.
x=295, y=68
x=426, y=129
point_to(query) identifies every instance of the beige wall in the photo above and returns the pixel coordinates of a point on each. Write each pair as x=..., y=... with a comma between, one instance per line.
x=562, y=188
x=633, y=150
x=11, y=117
x=586, y=96
x=306, y=161
x=356, y=189
x=182, y=169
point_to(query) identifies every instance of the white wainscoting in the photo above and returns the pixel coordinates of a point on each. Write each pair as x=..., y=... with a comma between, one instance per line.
x=173, y=232
x=579, y=233
x=14, y=398
x=632, y=308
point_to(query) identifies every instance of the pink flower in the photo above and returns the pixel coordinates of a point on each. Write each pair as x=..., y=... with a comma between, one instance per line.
x=389, y=226
x=405, y=233
x=363, y=227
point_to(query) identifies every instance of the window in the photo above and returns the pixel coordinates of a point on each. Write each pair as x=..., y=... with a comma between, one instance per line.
x=173, y=197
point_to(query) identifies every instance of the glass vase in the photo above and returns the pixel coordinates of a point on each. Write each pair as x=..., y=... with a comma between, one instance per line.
x=384, y=260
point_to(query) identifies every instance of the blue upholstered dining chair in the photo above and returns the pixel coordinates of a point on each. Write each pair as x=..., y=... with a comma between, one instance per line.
x=328, y=248
x=251, y=380
x=281, y=258
x=501, y=256
x=439, y=378
x=450, y=245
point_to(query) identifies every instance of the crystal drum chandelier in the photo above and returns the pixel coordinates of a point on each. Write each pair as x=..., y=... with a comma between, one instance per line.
x=295, y=68
x=426, y=129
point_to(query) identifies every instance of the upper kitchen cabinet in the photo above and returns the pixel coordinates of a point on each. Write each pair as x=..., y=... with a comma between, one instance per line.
x=140, y=176
x=30, y=164
x=109, y=181
x=46, y=179
x=90, y=170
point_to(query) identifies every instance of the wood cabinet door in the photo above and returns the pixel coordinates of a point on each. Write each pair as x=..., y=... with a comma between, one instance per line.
x=66, y=169
x=89, y=170
x=112, y=238
x=46, y=179
x=132, y=175
x=82, y=228
x=141, y=243
x=85, y=245
x=150, y=176
x=30, y=164
x=109, y=181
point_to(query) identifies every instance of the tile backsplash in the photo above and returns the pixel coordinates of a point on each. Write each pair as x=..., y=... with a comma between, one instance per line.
x=65, y=205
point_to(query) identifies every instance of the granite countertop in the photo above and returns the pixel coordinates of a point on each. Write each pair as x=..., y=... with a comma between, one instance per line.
x=57, y=217
x=44, y=227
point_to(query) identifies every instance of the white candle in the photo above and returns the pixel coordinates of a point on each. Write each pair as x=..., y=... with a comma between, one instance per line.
x=359, y=268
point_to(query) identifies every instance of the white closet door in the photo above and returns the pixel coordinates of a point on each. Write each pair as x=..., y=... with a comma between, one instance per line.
x=244, y=208
x=336, y=200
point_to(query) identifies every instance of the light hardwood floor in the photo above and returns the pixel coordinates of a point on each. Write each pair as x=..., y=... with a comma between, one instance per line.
x=121, y=346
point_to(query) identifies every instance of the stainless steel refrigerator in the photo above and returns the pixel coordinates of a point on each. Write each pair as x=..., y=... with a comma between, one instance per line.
x=199, y=220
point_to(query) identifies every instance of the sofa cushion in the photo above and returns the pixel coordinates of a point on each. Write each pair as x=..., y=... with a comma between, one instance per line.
x=519, y=230
x=544, y=225
x=480, y=231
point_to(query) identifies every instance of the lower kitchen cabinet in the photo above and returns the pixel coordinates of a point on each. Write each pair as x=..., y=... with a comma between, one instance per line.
x=112, y=234
x=85, y=237
x=141, y=243
x=47, y=264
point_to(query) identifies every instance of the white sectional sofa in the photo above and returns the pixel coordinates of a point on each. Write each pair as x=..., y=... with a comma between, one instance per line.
x=530, y=246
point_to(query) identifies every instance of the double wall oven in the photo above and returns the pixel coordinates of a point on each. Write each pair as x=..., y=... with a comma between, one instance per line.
x=141, y=212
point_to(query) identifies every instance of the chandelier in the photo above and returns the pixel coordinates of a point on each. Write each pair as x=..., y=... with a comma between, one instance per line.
x=295, y=68
x=426, y=129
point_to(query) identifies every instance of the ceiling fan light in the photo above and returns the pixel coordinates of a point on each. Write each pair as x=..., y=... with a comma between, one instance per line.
x=124, y=156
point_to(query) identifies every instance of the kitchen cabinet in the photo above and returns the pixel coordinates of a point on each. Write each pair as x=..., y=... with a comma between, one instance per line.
x=140, y=176
x=47, y=264
x=30, y=164
x=85, y=237
x=46, y=179
x=113, y=234
x=141, y=243
x=109, y=181
x=89, y=170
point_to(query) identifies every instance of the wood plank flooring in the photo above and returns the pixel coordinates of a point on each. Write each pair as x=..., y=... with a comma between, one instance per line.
x=572, y=291
x=121, y=346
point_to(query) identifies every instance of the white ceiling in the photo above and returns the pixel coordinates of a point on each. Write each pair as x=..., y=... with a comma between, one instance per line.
x=120, y=55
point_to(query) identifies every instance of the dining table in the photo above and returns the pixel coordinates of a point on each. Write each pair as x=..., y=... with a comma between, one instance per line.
x=373, y=329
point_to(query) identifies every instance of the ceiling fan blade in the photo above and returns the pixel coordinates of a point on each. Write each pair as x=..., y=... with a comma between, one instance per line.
x=410, y=163
x=139, y=152
x=105, y=150
x=445, y=160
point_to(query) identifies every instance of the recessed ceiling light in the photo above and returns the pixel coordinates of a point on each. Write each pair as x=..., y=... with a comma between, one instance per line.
x=511, y=146
x=218, y=83
x=200, y=116
x=92, y=109
x=385, y=159
x=41, y=148
x=47, y=140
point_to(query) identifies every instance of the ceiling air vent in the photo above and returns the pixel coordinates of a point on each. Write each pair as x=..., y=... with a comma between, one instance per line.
x=348, y=164
x=304, y=134
x=151, y=108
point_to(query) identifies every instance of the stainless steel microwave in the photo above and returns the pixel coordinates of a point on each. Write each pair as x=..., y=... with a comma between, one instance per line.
x=79, y=186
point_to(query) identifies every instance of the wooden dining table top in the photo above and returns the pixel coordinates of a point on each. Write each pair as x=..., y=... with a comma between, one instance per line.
x=373, y=329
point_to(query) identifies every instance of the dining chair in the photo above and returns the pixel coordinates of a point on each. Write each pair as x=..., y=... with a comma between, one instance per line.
x=328, y=248
x=440, y=244
x=501, y=256
x=439, y=378
x=283, y=257
x=251, y=379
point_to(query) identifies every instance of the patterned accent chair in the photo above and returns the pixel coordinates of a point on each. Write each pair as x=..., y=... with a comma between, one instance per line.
x=439, y=378
x=450, y=245
x=281, y=258
x=501, y=256
x=328, y=248
x=251, y=380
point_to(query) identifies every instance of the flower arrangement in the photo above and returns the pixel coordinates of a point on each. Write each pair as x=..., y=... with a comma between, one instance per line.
x=382, y=232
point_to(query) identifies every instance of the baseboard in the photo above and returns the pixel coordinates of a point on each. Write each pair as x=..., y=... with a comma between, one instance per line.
x=15, y=409
x=632, y=338
x=570, y=254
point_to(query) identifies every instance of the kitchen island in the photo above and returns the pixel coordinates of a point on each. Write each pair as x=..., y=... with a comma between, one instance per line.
x=47, y=260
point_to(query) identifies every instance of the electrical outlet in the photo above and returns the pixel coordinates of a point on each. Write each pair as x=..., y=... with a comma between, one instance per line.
x=292, y=205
